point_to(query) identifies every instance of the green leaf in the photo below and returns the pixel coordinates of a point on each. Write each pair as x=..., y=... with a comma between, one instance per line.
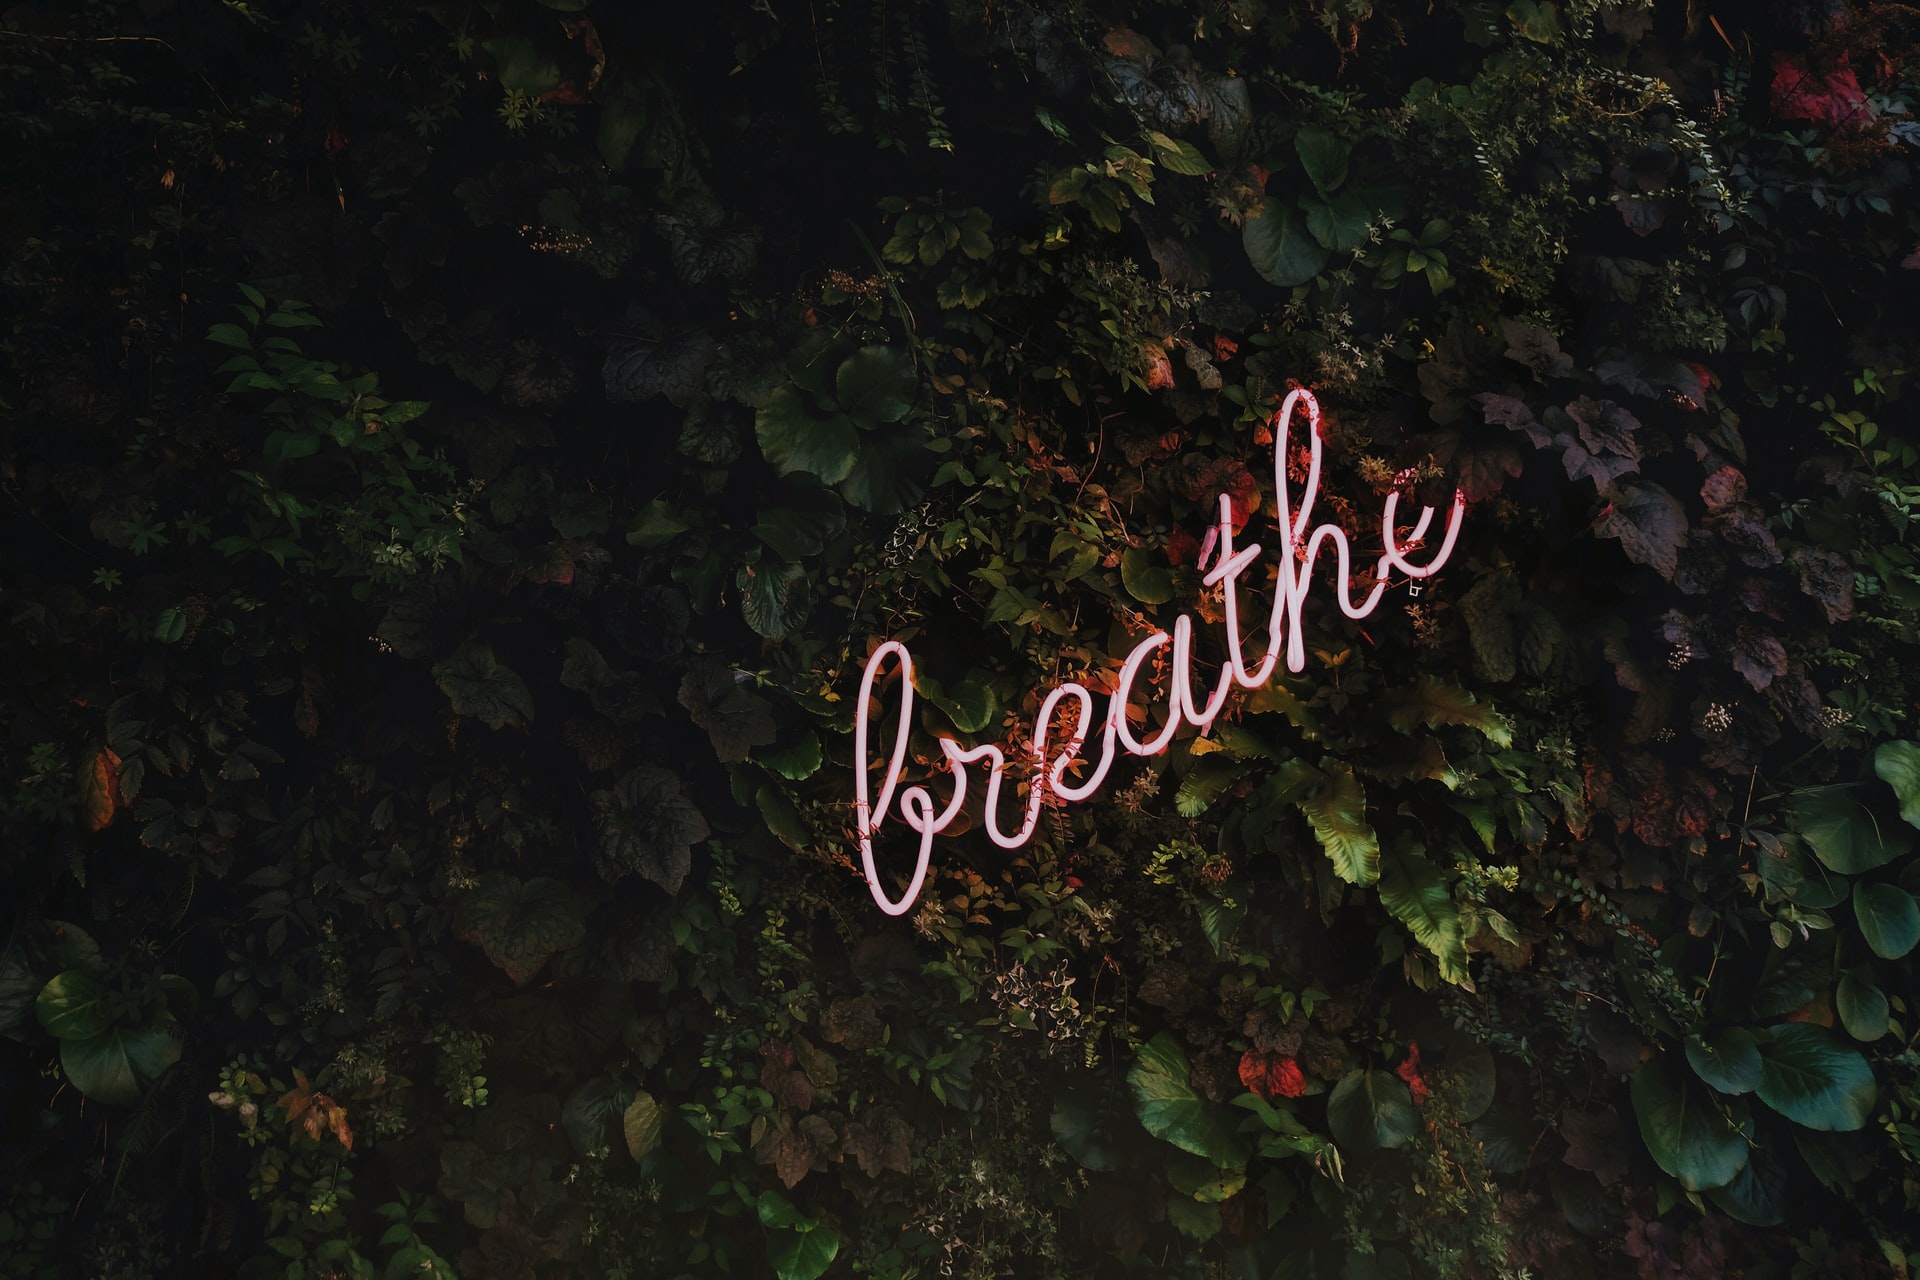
x=1337, y=812
x=116, y=1064
x=1146, y=575
x=1209, y=776
x=640, y=1124
x=735, y=718
x=1342, y=223
x=1842, y=832
x=1814, y=1080
x=1889, y=919
x=796, y=762
x=623, y=118
x=521, y=65
x=773, y=598
x=1323, y=154
x=1757, y=1195
x=1370, y=1110
x=793, y=438
x=893, y=463
x=230, y=335
x=1414, y=892
x=802, y=1255
x=1086, y=1123
x=970, y=704
x=521, y=924
x=1281, y=249
x=478, y=685
x=1729, y=1061
x=803, y=520
x=1862, y=1006
x=1898, y=765
x=1432, y=702
x=876, y=385
x=1685, y=1132
x=1179, y=157
x=73, y=1006
x=644, y=825
x=1172, y=1110
x=591, y=1113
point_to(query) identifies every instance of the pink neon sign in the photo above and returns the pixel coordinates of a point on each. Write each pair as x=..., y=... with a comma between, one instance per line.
x=1284, y=635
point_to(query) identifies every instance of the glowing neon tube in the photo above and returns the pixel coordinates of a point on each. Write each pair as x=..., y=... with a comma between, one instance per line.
x=1285, y=637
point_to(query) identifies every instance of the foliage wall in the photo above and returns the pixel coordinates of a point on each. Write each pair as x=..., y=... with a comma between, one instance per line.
x=457, y=460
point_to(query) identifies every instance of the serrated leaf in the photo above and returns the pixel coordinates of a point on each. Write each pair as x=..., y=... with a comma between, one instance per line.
x=478, y=685
x=796, y=762
x=645, y=826
x=1171, y=1109
x=521, y=924
x=1649, y=523
x=773, y=598
x=1814, y=1080
x=1414, y=892
x=1688, y=1135
x=1889, y=919
x=1433, y=702
x=1370, y=1111
x=1337, y=812
x=736, y=720
x=1204, y=783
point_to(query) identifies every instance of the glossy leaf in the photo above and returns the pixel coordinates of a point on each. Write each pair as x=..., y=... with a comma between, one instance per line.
x=1370, y=1110
x=1888, y=917
x=1813, y=1079
x=1688, y=1131
x=1171, y=1109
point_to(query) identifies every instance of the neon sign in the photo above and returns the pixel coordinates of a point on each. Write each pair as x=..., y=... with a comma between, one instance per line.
x=1285, y=636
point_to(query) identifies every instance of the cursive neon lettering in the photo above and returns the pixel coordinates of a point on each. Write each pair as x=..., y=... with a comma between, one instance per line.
x=1286, y=639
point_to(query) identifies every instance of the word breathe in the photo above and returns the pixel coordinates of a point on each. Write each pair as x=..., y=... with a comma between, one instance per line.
x=1285, y=635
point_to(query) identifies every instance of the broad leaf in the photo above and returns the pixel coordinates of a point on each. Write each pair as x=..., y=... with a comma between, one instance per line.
x=801, y=519
x=876, y=385
x=1728, y=1060
x=1898, y=765
x=1337, y=812
x=1342, y=223
x=1757, y=1195
x=1415, y=892
x=793, y=438
x=1842, y=832
x=802, y=1255
x=1370, y=1110
x=1862, y=1006
x=1814, y=1080
x=521, y=924
x=1889, y=919
x=481, y=686
x=1323, y=154
x=1280, y=247
x=892, y=468
x=1146, y=575
x=1649, y=522
x=593, y=1112
x=645, y=826
x=773, y=598
x=117, y=1064
x=1171, y=1109
x=736, y=720
x=73, y=1006
x=1086, y=1123
x=1685, y=1129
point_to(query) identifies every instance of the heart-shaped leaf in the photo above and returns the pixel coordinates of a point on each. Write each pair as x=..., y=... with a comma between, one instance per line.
x=876, y=385
x=1842, y=832
x=521, y=924
x=641, y=1124
x=73, y=1006
x=794, y=438
x=645, y=826
x=1371, y=1110
x=1280, y=247
x=1323, y=154
x=1898, y=765
x=117, y=1064
x=479, y=685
